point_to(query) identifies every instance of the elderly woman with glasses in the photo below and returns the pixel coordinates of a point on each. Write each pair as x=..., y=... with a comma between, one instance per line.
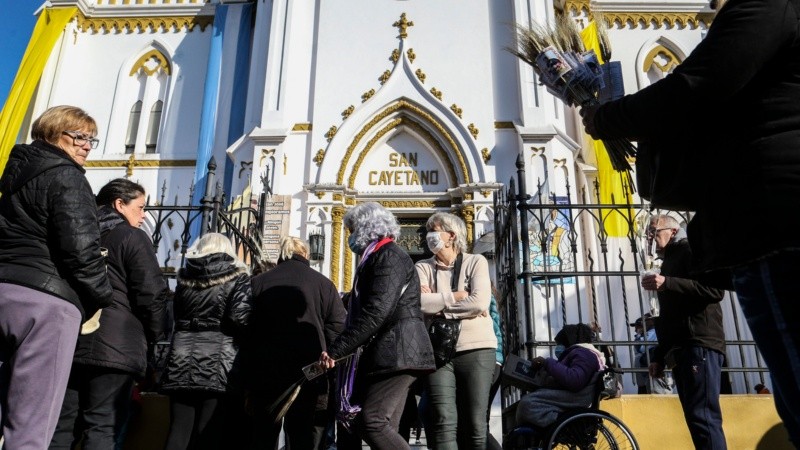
x=53, y=275
x=384, y=318
x=456, y=285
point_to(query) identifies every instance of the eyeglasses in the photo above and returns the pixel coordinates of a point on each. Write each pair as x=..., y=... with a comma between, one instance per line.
x=81, y=139
x=653, y=231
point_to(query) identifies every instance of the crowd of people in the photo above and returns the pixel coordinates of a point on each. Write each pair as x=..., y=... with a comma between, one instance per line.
x=83, y=301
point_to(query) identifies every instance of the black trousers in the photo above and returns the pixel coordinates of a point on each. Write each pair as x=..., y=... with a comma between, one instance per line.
x=95, y=407
x=197, y=420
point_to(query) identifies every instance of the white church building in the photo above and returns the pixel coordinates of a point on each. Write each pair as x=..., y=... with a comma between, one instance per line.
x=415, y=104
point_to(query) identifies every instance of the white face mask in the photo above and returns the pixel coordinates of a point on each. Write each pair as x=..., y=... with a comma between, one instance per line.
x=435, y=242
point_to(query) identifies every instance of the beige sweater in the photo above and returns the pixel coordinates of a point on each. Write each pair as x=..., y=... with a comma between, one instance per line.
x=476, y=325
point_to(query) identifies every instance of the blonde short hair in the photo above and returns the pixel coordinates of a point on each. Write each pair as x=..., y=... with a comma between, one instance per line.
x=291, y=245
x=450, y=223
x=58, y=119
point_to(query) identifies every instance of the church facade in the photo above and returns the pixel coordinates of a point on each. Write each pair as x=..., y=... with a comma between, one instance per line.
x=416, y=105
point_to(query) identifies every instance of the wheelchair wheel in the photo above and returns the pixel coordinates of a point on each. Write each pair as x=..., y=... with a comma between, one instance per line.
x=592, y=430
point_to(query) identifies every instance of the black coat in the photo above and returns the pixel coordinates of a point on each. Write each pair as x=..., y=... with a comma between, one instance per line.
x=137, y=316
x=212, y=308
x=389, y=324
x=739, y=87
x=691, y=314
x=297, y=313
x=49, y=237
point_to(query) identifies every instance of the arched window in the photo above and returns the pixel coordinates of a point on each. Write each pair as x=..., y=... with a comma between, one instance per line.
x=143, y=95
x=153, y=127
x=133, y=127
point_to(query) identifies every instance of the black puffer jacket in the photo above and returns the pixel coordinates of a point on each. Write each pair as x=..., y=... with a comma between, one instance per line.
x=49, y=238
x=138, y=314
x=389, y=323
x=691, y=314
x=212, y=309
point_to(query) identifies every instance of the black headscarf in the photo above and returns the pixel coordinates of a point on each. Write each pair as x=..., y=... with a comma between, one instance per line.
x=578, y=333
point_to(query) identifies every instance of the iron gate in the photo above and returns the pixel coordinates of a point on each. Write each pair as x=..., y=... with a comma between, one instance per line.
x=558, y=261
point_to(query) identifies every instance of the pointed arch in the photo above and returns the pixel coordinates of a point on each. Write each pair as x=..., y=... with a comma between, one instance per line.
x=143, y=84
x=404, y=112
x=656, y=59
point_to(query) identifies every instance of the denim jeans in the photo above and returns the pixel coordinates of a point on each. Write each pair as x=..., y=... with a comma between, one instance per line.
x=766, y=290
x=458, y=395
x=698, y=378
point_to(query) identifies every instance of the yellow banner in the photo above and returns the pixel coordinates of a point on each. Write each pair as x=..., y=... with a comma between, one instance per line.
x=46, y=33
x=611, y=188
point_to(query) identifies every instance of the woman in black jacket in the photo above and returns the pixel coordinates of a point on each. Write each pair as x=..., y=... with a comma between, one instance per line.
x=212, y=308
x=384, y=316
x=297, y=313
x=52, y=275
x=107, y=360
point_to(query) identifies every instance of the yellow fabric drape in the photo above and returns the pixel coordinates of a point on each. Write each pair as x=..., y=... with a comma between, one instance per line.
x=611, y=189
x=46, y=33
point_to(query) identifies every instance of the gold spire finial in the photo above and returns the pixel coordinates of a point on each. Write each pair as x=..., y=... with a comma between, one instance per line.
x=129, y=166
x=403, y=25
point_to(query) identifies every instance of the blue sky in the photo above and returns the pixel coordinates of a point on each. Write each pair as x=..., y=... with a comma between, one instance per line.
x=17, y=22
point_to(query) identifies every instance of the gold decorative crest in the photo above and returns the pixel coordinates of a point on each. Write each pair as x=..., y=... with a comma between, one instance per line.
x=402, y=25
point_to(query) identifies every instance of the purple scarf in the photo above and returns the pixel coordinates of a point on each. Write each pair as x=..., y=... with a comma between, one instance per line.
x=346, y=373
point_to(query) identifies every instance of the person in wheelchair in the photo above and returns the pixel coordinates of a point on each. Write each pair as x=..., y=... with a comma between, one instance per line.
x=565, y=382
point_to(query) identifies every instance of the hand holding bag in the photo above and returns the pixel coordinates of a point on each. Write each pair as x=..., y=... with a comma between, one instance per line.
x=444, y=332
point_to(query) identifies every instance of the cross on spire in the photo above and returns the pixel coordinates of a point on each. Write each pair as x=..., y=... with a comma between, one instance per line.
x=403, y=25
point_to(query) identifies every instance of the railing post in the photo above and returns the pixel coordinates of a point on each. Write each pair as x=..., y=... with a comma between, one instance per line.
x=208, y=198
x=522, y=200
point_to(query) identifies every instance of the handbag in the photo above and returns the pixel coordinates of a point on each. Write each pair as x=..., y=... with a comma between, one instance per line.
x=444, y=337
x=667, y=176
x=444, y=332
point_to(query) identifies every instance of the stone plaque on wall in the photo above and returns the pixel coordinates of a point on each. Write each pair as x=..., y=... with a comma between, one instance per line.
x=277, y=210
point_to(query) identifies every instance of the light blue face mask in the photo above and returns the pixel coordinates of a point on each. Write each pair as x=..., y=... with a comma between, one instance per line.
x=559, y=350
x=354, y=247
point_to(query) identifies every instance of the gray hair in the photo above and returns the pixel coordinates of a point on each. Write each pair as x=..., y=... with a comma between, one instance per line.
x=665, y=220
x=451, y=223
x=291, y=245
x=370, y=221
x=211, y=243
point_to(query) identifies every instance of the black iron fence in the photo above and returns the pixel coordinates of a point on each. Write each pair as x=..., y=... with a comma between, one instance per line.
x=174, y=227
x=567, y=258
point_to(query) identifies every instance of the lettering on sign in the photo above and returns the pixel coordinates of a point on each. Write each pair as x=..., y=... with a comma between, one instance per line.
x=277, y=209
x=400, y=176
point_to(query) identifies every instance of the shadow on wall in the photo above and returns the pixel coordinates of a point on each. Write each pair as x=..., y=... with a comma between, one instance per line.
x=774, y=439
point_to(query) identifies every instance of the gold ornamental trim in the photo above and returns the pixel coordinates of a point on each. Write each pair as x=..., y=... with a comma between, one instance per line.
x=659, y=20
x=161, y=60
x=337, y=213
x=142, y=24
x=348, y=264
x=650, y=59
x=486, y=155
x=473, y=130
x=504, y=125
x=319, y=157
x=402, y=25
x=412, y=203
x=115, y=163
x=391, y=126
x=694, y=20
x=405, y=105
x=302, y=127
